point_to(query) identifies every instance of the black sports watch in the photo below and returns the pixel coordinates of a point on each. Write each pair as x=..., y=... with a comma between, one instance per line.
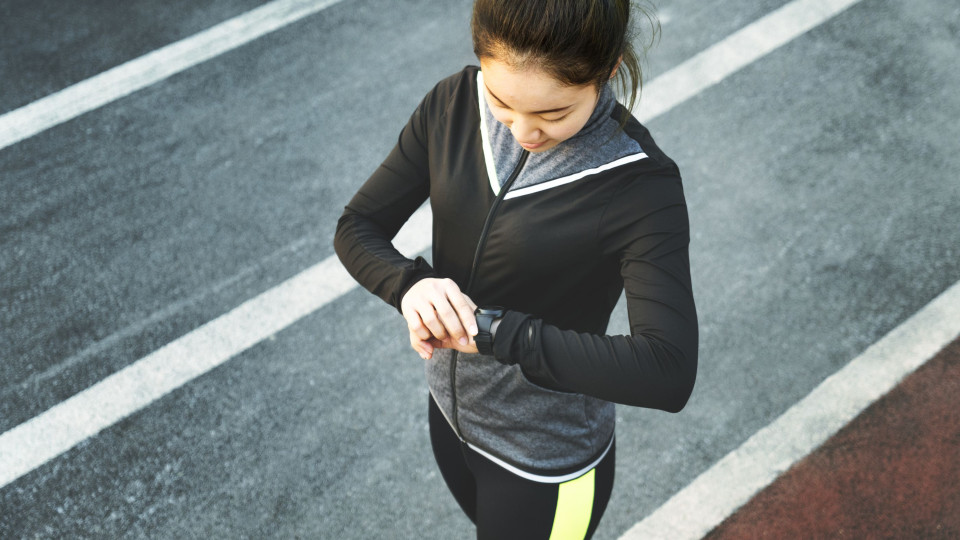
x=485, y=317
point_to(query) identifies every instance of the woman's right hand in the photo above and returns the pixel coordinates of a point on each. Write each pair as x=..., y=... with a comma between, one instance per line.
x=436, y=309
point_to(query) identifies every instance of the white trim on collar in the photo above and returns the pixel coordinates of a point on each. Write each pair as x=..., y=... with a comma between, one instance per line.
x=492, y=168
x=574, y=177
x=485, y=136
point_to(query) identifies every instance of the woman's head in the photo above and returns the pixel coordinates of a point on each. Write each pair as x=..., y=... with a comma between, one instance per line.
x=540, y=111
x=577, y=43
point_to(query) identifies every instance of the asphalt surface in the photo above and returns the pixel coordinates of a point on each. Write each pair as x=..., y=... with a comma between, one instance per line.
x=823, y=184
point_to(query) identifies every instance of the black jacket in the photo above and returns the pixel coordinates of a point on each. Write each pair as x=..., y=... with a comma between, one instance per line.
x=557, y=256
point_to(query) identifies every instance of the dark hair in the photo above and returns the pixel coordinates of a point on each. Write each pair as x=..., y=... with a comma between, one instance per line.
x=576, y=41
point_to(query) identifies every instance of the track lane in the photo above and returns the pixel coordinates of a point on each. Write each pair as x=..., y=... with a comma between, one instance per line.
x=691, y=119
x=891, y=473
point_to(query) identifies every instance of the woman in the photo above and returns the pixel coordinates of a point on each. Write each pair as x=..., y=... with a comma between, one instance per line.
x=548, y=200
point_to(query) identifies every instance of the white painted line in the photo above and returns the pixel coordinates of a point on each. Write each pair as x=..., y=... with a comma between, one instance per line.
x=735, y=479
x=733, y=53
x=150, y=68
x=165, y=313
x=55, y=431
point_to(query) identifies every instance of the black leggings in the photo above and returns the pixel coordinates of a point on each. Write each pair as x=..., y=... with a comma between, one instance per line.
x=503, y=505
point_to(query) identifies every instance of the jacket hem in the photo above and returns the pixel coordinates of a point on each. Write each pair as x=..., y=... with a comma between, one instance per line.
x=545, y=478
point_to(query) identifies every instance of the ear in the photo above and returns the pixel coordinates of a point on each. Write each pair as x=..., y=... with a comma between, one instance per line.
x=616, y=67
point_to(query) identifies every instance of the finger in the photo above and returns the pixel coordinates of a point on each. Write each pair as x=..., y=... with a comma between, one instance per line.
x=459, y=319
x=451, y=321
x=415, y=323
x=419, y=329
x=470, y=347
x=422, y=347
x=465, y=312
x=433, y=323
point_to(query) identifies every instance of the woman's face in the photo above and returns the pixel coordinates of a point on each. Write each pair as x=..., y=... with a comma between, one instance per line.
x=540, y=111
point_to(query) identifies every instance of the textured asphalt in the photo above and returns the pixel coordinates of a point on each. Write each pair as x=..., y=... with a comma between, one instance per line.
x=823, y=183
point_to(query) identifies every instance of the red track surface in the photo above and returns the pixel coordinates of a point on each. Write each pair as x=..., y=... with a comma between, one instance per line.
x=894, y=472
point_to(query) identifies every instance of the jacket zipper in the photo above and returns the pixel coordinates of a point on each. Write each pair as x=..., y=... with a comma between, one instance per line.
x=481, y=243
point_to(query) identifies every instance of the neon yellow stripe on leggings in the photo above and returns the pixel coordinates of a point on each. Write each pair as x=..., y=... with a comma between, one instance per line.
x=574, y=508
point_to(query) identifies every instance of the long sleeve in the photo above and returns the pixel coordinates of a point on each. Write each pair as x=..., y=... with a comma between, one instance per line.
x=378, y=211
x=647, y=227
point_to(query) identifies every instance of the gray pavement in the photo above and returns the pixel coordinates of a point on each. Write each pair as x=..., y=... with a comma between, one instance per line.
x=49, y=45
x=823, y=183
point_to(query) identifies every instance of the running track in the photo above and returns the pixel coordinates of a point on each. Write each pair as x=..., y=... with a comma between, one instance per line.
x=29, y=374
